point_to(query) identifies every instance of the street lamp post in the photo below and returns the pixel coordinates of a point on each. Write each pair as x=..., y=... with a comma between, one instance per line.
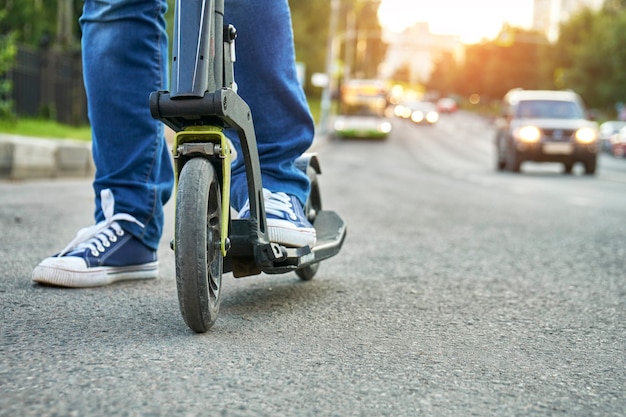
x=325, y=104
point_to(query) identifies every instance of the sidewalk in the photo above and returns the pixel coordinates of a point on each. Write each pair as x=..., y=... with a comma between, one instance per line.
x=25, y=158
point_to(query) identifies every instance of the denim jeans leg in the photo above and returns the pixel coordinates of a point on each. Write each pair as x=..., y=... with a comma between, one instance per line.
x=124, y=47
x=266, y=75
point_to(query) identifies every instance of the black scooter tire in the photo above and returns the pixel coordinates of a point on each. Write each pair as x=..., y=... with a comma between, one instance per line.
x=312, y=206
x=198, y=255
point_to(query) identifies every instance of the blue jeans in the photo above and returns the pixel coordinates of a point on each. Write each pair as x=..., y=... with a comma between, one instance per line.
x=125, y=58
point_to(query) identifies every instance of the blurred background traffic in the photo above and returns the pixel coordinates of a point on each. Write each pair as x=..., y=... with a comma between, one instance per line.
x=423, y=58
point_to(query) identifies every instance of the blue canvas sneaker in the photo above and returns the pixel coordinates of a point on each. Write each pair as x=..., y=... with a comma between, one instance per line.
x=286, y=222
x=99, y=255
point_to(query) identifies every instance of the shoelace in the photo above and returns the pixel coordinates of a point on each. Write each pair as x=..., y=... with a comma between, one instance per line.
x=98, y=237
x=275, y=203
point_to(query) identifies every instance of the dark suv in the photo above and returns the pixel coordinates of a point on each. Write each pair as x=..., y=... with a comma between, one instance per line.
x=545, y=126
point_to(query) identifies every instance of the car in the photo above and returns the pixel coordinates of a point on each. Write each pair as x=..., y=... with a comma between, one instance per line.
x=423, y=113
x=447, y=105
x=545, y=126
x=608, y=134
x=404, y=109
x=618, y=144
x=419, y=112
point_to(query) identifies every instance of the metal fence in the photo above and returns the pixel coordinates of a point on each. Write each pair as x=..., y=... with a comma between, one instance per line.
x=49, y=84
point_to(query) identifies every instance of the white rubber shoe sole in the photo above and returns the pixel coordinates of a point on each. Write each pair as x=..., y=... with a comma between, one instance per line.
x=67, y=271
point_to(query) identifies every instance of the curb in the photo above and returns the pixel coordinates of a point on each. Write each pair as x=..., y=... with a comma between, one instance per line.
x=27, y=158
x=23, y=158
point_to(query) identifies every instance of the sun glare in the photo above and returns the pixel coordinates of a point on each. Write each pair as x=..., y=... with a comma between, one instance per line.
x=472, y=21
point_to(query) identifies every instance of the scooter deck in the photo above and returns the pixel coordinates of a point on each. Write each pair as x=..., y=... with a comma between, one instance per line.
x=330, y=230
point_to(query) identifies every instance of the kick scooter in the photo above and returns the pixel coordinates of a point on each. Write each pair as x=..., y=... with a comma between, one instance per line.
x=208, y=242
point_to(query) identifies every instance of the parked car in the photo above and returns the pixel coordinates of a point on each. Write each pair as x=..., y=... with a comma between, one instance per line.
x=608, y=134
x=545, y=126
x=447, y=105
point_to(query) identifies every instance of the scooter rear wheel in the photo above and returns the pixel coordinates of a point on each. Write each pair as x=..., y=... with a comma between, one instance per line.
x=198, y=254
x=312, y=206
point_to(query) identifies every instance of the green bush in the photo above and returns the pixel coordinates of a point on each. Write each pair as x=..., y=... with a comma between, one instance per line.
x=8, y=50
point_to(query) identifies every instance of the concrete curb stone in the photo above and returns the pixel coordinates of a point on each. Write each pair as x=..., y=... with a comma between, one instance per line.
x=23, y=158
x=26, y=158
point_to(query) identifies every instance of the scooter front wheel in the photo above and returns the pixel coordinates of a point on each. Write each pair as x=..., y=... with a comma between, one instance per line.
x=198, y=254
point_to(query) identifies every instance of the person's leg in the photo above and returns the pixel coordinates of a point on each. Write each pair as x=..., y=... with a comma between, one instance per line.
x=124, y=47
x=266, y=75
x=125, y=58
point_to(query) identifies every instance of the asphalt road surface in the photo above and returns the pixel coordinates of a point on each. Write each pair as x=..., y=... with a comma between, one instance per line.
x=460, y=291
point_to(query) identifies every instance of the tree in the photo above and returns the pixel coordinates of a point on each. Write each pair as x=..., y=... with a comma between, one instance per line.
x=36, y=22
x=443, y=78
x=402, y=74
x=363, y=49
x=590, y=54
x=358, y=37
x=65, y=38
x=494, y=67
x=7, y=57
x=612, y=6
x=310, y=26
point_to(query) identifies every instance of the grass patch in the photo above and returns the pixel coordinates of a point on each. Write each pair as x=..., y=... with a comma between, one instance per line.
x=41, y=128
x=315, y=107
x=45, y=129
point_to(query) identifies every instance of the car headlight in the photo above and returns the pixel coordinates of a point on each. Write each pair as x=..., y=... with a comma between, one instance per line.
x=586, y=135
x=432, y=117
x=417, y=116
x=528, y=134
